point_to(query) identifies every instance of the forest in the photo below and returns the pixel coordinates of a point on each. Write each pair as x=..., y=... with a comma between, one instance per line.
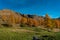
x=12, y=18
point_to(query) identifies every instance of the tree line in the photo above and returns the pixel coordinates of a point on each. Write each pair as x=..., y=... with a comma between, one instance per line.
x=15, y=18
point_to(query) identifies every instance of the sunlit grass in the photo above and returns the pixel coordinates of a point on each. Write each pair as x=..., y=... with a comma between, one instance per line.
x=17, y=34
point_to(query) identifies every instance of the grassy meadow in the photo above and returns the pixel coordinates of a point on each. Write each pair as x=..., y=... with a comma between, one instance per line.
x=25, y=33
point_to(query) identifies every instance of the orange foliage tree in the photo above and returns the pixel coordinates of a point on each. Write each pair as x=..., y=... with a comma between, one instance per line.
x=30, y=22
x=41, y=21
x=57, y=23
x=11, y=19
x=35, y=23
x=4, y=18
x=24, y=20
x=48, y=22
x=17, y=19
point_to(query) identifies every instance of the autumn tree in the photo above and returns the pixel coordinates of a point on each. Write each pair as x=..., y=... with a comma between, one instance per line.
x=48, y=22
x=35, y=23
x=53, y=23
x=17, y=19
x=57, y=23
x=4, y=17
x=11, y=19
x=24, y=20
x=30, y=22
x=41, y=21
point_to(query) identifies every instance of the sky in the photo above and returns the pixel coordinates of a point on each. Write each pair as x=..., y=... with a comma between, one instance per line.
x=34, y=7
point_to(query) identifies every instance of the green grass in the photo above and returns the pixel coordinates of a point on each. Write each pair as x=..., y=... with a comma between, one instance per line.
x=7, y=34
x=58, y=35
x=17, y=34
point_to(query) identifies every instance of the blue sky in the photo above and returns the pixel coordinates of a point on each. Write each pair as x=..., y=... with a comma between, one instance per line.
x=38, y=7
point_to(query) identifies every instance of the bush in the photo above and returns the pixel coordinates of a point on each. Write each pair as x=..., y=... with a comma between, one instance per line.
x=47, y=37
x=23, y=25
x=6, y=25
x=37, y=29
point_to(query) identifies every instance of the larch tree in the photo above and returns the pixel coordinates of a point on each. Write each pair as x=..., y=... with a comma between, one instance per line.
x=30, y=22
x=11, y=19
x=35, y=23
x=4, y=18
x=41, y=21
x=17, y=18
x=57, y=23
x=48, y=22
x=24, y=20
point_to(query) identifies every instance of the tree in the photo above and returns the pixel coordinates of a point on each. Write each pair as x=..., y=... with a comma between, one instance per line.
x=4, y=18
x=35, y=23
x=11, y=19
x=24, y=20
x=17, y=19
x=30, y=22
x=57, y=23
x=53, y=23
x=48, y=22
x=41, y=21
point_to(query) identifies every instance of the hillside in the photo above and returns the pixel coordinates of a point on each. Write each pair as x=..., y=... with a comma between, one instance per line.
x=18, y=26
x=11, y=18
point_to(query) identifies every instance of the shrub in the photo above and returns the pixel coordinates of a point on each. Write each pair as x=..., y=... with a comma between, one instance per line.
x=47, y=37
x=23, y=25
x=6, y=25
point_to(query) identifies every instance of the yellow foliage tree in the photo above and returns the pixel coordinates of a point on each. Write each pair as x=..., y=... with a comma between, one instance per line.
x=35, y=23
x=4, y=18
x=11, y=19
x=57, y=23
x=41, y=21
x=30, y=22
x=24, y=20
x=48, y=22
